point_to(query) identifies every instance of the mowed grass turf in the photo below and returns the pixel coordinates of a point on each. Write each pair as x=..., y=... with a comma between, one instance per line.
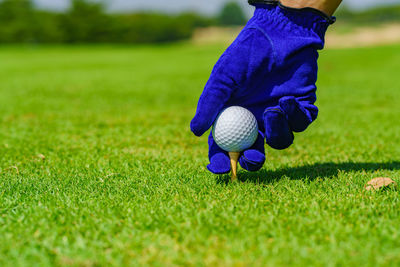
x=98, y=166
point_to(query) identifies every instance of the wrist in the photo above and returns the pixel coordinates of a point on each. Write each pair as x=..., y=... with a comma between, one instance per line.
x=324, y=8
x=328, y=7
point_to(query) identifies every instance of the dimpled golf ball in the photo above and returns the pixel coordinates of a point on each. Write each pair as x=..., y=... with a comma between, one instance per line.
x=235, y=129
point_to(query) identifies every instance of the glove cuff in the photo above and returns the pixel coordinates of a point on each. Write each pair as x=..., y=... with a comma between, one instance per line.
x=305, y=21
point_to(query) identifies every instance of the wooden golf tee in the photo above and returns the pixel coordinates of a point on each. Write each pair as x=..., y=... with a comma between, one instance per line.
x=234, y=156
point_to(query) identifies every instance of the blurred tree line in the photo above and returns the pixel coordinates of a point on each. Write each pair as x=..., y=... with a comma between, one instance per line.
x=88, y=22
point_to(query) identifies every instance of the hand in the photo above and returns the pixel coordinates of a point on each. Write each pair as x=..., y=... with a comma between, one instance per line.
x=270, y=69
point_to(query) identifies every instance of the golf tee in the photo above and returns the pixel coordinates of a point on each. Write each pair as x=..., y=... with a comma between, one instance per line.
x=234, y=156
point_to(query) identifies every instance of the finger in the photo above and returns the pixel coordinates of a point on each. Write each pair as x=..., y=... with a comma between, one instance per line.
x=253, y=159
x=219, y=159
x=300, y=114
x=278, y=134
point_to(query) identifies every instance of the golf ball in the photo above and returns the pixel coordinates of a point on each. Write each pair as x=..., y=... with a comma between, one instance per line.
x=235, y=129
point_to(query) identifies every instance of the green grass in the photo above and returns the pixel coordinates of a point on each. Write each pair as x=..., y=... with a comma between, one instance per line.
x=124, y=181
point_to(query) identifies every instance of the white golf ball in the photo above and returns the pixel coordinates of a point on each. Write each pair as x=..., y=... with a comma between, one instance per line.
x=235, y=129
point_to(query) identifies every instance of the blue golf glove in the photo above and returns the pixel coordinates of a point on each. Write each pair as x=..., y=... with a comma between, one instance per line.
x=270, y=69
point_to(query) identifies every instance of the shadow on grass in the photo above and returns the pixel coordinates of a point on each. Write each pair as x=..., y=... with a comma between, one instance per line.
x=310, y=172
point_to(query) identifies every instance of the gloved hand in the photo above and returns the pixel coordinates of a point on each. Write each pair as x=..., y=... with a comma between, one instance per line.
x=270, y=69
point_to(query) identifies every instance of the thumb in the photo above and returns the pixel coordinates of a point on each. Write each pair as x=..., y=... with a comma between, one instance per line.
x=222, y=83
x=215, y=95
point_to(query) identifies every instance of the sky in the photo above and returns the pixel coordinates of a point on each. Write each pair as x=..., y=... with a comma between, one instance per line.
x=202, y=6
